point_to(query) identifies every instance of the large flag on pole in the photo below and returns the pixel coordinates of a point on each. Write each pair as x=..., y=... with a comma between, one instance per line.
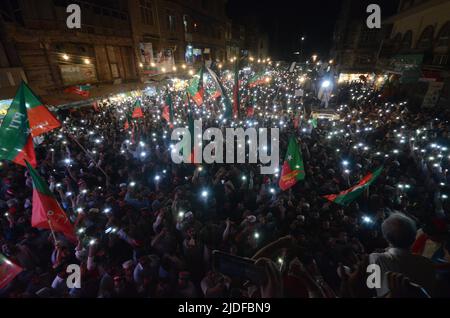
x=16, y=142
x=195, y=88
x=41, y=120
x=8, y=271
x=257, y=79
x=137, y=111
x=348, y=196
x=46, y=212
x=226, y=100
x=293, y=169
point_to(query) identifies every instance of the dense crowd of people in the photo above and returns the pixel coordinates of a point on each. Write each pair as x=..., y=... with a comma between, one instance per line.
x=147, y=227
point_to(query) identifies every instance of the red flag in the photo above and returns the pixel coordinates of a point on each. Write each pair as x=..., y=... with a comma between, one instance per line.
x=250, y=111
x=77, y=90
x=348, y=196
x=8, y=271
x=293, y=168
x=166, y=113
x=46, y=212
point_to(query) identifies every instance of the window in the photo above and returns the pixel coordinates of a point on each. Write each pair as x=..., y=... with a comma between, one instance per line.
x=443, y=39
x=146, y=12
x=440, y=60
x=426, y=38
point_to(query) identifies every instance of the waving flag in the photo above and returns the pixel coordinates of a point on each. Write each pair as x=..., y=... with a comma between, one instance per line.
x=348, y=196
x=137, y=111
x=257, y=79
x=195, y=88
x=46, y=212
x=8, y=271
x=41, y=120
x=16, y=142
x=293, y=169
x=82, y=90
x=128, y=122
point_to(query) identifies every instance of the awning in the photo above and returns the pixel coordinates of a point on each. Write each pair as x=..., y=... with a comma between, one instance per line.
x=63, y=99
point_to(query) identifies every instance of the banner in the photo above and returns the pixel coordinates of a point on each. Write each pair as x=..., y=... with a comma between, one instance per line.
x=78, y=73
x=146, y=50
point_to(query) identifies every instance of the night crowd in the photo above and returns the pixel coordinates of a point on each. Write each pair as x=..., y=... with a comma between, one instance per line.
x=147, y=227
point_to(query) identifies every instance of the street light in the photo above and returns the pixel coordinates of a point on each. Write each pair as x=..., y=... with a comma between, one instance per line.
x=314, y=57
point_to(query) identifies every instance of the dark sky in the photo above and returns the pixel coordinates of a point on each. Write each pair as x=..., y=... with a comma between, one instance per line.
x=287, y=20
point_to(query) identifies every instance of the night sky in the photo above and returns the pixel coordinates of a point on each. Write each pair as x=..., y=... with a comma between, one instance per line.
x=287, y=20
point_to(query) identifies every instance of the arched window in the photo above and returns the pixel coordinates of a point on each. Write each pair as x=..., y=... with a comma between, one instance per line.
x=443, y=38
x=426, y=38
x=407, y=39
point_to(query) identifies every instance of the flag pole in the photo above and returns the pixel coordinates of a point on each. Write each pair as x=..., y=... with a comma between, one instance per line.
x=51, y=229
x=89, y=155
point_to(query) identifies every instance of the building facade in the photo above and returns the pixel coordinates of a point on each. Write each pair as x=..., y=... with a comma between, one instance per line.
x=355, y=46
x=120, y=41
x=418, y=47
x=167, y=33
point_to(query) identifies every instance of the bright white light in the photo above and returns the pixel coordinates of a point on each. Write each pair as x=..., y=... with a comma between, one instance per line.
x=366, y=219
x=326, y=84
x=132, y=184
x=157, y=178
x=204, y=193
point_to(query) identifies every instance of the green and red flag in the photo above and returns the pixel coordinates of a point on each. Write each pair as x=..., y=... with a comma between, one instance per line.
x=195, y=88
x=257, y=79
x=46, y=212
x=168, y=110
x=8, y=271
x=293, y=169
x=348, y=196
x=137, y=110
x=128, y=122
x=82, y=90
x=40, y=119
x=214, y=93
x=16, y=141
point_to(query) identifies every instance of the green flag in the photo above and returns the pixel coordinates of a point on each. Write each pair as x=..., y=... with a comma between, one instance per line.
x=195, y=88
